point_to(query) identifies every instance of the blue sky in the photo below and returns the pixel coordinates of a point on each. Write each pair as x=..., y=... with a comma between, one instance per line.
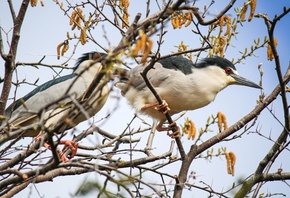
x=45, y=27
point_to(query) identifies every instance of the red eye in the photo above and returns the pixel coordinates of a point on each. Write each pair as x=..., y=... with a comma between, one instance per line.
x=228, y=71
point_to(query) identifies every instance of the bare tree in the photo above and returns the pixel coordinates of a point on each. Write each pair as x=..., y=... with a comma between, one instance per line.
x=22, y=164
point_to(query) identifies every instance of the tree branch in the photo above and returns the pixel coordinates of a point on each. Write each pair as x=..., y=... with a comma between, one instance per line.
x=10, y=58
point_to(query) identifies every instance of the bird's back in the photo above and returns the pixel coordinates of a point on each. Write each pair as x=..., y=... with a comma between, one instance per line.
x=177, y=63
x=15, y=105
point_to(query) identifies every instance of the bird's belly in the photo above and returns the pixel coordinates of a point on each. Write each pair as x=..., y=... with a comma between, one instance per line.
x=180, y=101
x=178, y=104
x=176, y=101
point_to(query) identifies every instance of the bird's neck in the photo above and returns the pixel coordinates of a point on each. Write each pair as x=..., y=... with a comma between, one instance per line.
x=207, y=83
x=88, y=68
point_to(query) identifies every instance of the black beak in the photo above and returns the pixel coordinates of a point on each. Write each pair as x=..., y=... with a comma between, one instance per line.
x=243, y=81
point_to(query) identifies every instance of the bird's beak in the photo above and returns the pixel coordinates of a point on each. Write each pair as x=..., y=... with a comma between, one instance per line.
x=243, y=81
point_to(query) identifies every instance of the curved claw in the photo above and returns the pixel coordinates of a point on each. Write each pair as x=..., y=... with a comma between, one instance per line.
x=172, y=126
x=174, y=134
x=68, y=143
x=71, y=144
x=62, y=156
x=164, y=108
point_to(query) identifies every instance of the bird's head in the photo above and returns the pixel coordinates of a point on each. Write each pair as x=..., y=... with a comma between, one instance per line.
x=225, y=70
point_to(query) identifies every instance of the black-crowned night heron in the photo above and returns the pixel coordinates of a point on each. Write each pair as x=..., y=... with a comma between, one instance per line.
x=181, y=83
x=51, y=102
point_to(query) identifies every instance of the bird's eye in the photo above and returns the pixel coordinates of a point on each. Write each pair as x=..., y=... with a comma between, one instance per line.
x=228, y=71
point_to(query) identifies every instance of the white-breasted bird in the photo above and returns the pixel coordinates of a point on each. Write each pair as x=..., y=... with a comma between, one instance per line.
x=50, y=103
x=181, y=83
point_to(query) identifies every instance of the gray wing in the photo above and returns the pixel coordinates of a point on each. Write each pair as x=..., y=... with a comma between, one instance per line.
x=156, y=75
x=15, y=105
x=34, y=103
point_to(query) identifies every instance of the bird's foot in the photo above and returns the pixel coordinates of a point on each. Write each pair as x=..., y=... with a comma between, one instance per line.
x=70, y=144
x=175, y=129
x=163, y=108
x=175, y=133
x=147, y=106
x=67, y=144
x=62, y=156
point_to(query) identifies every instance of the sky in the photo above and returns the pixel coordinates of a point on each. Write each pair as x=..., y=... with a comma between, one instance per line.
x=42, y=31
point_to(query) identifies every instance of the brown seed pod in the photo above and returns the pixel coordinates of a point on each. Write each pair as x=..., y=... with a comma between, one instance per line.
x=72, y=17
x=222, y=121
x=148, y=47
x=244, y=11
x=33, y=3
x=228, y=23
x=253, y=5
x=189, y=17
x=83, y=36
x=58, y=49
x=65, y=47
x=270, y=54
x=231, y=161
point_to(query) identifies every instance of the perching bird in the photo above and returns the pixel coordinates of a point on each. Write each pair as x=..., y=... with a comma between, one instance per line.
x=51, y=102
x=182, y=85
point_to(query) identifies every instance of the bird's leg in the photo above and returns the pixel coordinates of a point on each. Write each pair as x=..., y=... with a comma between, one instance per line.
x=146, y=106
x=163, y=108
x=174, y=134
